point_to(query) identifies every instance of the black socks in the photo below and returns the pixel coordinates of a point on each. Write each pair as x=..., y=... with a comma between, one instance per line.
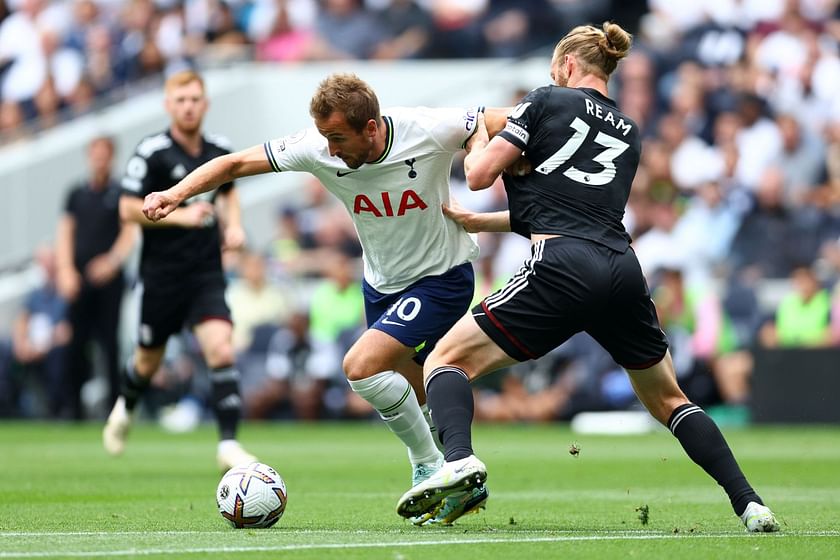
x=450, y=400
x=705, y=445
x=227, y=404
x=133, y=386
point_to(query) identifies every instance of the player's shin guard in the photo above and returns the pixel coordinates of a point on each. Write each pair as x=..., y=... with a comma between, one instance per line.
x=706, y=446
x=227, y=404
x=394, y=399
x=132, y=385
x=450, y=399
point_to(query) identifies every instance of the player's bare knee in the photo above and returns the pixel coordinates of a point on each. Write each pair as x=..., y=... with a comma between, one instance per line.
x=220, y=355
x=354, y=366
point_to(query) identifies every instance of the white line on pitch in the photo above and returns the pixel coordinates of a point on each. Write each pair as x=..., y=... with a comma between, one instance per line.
x=302, y=532
x=328, y=546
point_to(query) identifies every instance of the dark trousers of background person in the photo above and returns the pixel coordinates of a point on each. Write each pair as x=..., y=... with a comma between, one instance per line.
x=94, y=316
x=31, y=390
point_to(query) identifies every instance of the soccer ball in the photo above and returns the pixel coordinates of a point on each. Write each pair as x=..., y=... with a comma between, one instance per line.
x=251, y=496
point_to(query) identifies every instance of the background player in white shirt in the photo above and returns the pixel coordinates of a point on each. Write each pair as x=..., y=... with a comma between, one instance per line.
x=418, y=279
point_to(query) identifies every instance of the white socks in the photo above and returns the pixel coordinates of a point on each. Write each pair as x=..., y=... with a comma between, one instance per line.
x=394, y=399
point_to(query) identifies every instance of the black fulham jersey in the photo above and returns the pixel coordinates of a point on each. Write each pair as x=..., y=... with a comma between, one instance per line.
x=584, y=154
x=158, y=163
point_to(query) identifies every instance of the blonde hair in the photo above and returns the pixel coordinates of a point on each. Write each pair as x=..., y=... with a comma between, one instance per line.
x=348, y=94
x=598, y=50
x=182, y=78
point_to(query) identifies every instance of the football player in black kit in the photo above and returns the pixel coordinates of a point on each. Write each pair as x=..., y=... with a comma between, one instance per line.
x=181, y=268
x=570, y=157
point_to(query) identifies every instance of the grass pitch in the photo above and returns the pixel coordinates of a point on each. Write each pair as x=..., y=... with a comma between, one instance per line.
x=62, y=497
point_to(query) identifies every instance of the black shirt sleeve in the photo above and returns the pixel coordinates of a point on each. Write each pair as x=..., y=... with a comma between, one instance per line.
x=140, y=178
x=523, y=119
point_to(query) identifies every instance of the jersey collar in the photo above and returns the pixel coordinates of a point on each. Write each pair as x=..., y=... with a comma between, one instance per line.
x=389, y=140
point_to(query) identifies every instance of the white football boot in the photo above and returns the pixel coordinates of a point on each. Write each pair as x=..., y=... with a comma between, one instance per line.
x=759, y=519
x=230, y=454
x=116, y=428
x=458, y=476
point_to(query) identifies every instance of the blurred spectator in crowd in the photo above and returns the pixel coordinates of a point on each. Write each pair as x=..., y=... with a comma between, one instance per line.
x=516, y=27
x=291, y=253
x=138, y=48
x=457, y=28
x=692, y=162
x=803, y=318
x=733, y=367
x=408, y=29
x=657, y=247
x=537, y=392
x=282, y=29
x=697, y=328
x=305, y=356
x=636, y=90
x=22, y=53
x=40, y=335
x=770, y=238
x=572, y=13
x=92, y=245
x=705, y=231
x=345, y=30
x=759, y=141
x=802, y=161
x=11, y=122
x=292, y=387
x=254, y=301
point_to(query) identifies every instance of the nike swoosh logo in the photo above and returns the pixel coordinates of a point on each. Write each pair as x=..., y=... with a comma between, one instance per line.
x=340, y=174
x=387, y=322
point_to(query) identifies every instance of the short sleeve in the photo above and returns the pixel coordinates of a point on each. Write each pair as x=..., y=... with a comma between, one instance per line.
x=524, y=117
x=137, y=180
x=71, y=204
x=450, y=128
x=296, y=152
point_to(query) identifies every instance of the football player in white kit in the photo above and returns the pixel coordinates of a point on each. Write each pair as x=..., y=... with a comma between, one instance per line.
x=391, y=171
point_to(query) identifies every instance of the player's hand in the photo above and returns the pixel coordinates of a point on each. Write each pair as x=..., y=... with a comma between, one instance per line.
x=68, y=283
x=199, y=214
x=101, y=269
x=459, y=214
x=234, y=238
x=480, y=137
x=158, y=205
x=519, y=168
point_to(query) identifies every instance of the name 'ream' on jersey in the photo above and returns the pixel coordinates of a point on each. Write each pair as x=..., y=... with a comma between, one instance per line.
x=395, y=201
x=584, y=153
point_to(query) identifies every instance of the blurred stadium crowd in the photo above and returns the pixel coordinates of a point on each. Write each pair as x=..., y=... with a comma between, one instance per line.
x=734, y=210
x=60, y=57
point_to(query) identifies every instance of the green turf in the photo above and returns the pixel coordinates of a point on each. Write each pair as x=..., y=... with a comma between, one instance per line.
x=61, y=497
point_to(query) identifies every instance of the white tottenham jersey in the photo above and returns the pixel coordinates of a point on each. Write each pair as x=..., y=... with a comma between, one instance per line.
x=395, y=202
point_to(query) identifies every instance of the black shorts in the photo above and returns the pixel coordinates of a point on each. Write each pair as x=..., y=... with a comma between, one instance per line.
x=571, y=285
x=167, y=307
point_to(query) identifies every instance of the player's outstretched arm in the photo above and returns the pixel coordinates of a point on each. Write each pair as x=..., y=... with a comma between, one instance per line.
x=206, y=177
x=475, y=222
x=197, y=215
x=495, y=119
